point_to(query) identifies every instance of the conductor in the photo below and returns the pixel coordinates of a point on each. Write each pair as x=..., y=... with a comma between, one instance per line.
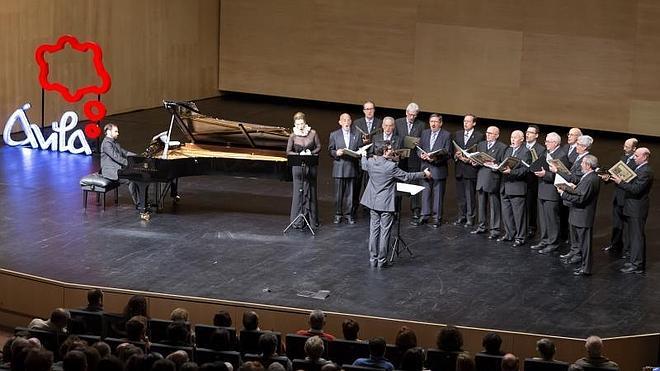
x=379, y=198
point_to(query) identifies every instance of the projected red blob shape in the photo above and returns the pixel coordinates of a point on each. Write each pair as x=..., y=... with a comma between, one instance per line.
x=93, y=111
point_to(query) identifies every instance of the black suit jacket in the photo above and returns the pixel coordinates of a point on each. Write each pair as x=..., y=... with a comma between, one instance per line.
x=438, y=167
x=571, y=156
x=402, y=131
x=582, y=203
x=466, y=170
x=619, y=193
x=488, y=180
x=636, y=199
x=515, y=183
x=362, y=124
x=547, y=189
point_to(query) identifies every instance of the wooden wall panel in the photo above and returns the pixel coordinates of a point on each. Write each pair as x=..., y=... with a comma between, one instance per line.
x=455, y=66
x=590, y=63
x=153, y=50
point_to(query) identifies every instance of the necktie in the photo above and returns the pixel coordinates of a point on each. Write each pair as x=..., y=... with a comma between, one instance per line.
x=369, y=123
x=570, y=150
x=434, y=136
x=513, y=152
x=467, y=137
x=490, y=145
x=347, y=139
x=409, y=127
x=387, y=137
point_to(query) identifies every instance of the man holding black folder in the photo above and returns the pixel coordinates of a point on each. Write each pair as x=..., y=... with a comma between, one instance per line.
x=434, y=151
x=410, y=126
x=344, y=168
x=488, y=186
x=537, y=151
x=548, y=199
x=367, y=126
x=465, y=172
x=514, y=192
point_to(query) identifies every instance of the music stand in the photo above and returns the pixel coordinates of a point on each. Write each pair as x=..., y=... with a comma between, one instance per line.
x=304, y=161
x=402, y=189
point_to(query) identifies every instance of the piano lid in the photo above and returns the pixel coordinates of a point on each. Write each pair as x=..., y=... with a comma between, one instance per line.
x=203, y=129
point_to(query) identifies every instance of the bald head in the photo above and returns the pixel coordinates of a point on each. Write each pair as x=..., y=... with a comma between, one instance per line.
x=492, y=133
x=345, y=121
x=594, y=346
x=510, y=362
x=573, y=134
x=642, y=155
x=629, y=146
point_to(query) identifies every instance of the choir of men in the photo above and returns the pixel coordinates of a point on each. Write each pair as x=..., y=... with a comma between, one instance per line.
x=516, y=185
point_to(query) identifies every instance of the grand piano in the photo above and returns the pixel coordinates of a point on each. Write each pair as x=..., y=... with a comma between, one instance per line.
x=212, y=145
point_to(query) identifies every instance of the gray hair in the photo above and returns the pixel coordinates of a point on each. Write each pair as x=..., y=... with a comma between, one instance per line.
x=412, y=108
x=590, y=160
x=553, y=137
x=585, y=140
x=388, y=118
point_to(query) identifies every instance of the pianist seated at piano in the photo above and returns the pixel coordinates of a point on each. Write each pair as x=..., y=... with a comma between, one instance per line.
x=304, y=141
x=113, y=158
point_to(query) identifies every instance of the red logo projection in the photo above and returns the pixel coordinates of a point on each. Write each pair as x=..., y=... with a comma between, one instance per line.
x=94, y=110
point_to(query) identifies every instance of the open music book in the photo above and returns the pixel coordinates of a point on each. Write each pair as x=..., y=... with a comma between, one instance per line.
x=362, y=151
x=564, y=184
x=509, y=162
x=561, y=168
x=536, y=165
x=412, y=189
x=434, y=154
x=622, y=170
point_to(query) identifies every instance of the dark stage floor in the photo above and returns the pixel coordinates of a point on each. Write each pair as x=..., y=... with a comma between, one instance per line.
x=224, y=240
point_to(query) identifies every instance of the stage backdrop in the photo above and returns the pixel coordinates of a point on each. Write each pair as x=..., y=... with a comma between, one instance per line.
x=153, y=50
x=587, y=63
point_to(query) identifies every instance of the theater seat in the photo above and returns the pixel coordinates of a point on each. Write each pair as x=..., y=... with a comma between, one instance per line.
x=540, y=365
x=347, y=351
x=208, y=355
x=96, y=183
x=487, y=362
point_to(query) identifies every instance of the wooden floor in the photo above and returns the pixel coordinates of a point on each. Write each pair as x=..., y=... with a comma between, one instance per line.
x=224, y=240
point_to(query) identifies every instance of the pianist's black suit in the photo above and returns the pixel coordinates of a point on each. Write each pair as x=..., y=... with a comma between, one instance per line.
x=113, y=158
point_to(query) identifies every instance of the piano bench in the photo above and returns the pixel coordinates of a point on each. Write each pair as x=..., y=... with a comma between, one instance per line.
x=96, y=183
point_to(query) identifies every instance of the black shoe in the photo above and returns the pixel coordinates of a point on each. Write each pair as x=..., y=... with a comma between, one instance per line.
x=384, y=265
x=575, y=259
x=493, y=236
x=631, y=269
x=418, y=222
x=531, y=232
x=460, y=221
x=336, y=220
x=547, y=249
x=518, y=243
x=373, y=263
x=538, y=246
x=568, y=255
x=504, y=238
x=351, y=220
x=478, y=231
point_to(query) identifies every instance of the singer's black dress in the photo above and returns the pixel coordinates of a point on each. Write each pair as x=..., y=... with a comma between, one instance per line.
x=304, y=182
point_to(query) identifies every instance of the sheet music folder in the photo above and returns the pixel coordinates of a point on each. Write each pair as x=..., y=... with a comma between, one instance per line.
x=299, y=160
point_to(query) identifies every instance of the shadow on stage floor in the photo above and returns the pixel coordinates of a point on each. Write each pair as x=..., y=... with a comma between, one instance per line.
x=224, y=240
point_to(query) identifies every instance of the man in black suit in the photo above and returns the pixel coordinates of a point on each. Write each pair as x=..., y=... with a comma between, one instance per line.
x=582, y=211
x=582, y=147
x=537, y=151
x=571, y=144
x=344, y=168
x=514, y=190
x=465, y=172
x=636, y=209
x=488, y=186
x=616, y=241
x=548, y=198
x=432, y=140
x=367, y=126
x=412, y=127
x=387, y=134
